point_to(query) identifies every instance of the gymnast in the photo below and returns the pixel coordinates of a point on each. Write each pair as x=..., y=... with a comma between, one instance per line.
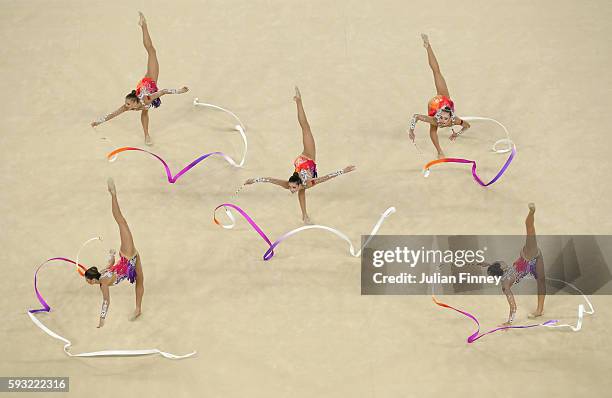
x=529, y=264
x=441, y=109
x=305, y=168
x=128, y=267
x=146, y=96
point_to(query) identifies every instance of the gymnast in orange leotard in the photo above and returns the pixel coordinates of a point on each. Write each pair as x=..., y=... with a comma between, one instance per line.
x=304, y=166
x=146, y=96
x=440, y=109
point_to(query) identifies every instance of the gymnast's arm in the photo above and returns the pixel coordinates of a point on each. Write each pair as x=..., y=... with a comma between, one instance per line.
x=464, y=126
x=275, y=181
x=109, y=116
x=421, y=118
x=105, y=302
x=165, y=91
x=329, y=176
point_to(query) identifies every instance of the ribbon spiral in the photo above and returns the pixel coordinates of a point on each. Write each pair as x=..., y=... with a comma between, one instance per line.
x=270, y=252
x=47, y=308
x=112, y=156
x=553, y=323
x=509, y=147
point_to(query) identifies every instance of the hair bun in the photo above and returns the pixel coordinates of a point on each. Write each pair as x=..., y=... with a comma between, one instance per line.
x=134, y=92
x=94, y=269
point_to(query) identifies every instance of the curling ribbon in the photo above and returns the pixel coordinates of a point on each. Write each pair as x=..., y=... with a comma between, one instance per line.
x=112, y=156
x=509, y=147
x=68, y=343
x=270, y=252
x=553, y=323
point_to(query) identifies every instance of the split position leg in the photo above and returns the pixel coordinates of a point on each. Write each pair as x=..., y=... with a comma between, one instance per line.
x=152, y=63
x=127, y=242
x=139, y=289
x=530, y=251
x=307, y=138
x=441, y=88
x=433, y=134
x=127, y=247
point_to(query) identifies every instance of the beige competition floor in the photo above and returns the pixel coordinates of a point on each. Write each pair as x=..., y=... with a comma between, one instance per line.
x=296, y=326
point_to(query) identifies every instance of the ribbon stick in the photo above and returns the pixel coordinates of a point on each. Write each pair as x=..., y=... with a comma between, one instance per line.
x=112, y=156
x=47, y=308
x=270, y=252
x=508, y=147
x=553, y=323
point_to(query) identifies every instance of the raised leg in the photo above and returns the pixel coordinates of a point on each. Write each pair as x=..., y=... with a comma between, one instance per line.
x=127, y=242
x=307, y=138
x=441, y=87
x=530, y=251
x=152, y=63
x=531, y=245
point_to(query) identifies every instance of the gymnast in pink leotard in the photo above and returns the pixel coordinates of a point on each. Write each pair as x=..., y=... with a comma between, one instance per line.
x=530, y=264
x=304, y=165
x=146, y=96
x=440, y=109
x=128, y=267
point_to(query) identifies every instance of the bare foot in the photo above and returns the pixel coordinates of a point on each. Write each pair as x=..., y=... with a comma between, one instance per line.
x=441, y=155
x=142, y=21
x=298, y=95
x=306, y=220
x=536, y=314
x=135, y=315
x=148, y=140
x=531, y=207
x=425, y=40
x=111, y=186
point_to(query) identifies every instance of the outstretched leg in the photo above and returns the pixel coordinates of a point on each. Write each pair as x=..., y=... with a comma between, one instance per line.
x=307, y=138
x=302, y=199
x=441, y=87
x=152, y=63
x=127, y=242
x=139, y=289
x=530, y=251
x=433, y=134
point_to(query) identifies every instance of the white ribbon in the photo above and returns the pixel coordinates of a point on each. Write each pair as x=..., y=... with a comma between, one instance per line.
x=239, y=127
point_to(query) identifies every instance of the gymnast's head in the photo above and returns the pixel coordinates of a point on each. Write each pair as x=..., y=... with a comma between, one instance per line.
x=496, y=269
x=92, y=276
x=131, y=100
x=444, y=117
x=295, y=183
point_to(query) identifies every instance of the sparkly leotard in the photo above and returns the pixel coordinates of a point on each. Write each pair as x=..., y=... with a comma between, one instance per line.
x=147, y=86
x=305, y=167
x=124, y=269
x=439, y=104
x=522, y=268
